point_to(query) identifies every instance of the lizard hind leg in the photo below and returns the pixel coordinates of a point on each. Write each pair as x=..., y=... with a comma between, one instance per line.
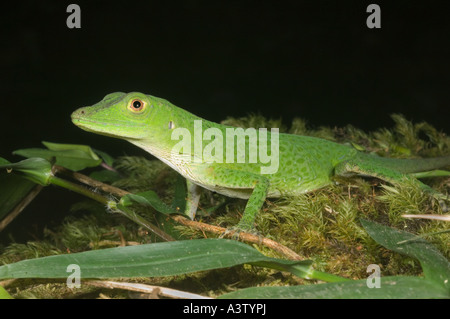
x=372, y=169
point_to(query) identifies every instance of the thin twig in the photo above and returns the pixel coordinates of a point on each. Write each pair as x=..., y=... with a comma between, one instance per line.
x=428, y=216
x=20, y=206
x=247, y=237
x=156, y=290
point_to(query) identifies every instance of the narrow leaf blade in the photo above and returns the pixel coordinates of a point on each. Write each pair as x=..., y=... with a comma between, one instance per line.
x=150, y=260
x=391, y=287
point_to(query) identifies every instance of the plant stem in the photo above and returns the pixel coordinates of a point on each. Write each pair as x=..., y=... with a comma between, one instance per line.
x=79, y=189
x=89, y=181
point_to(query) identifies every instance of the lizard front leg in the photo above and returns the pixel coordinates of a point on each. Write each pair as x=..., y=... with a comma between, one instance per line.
x=254, y=204
x=193, y=197
x=241, y=184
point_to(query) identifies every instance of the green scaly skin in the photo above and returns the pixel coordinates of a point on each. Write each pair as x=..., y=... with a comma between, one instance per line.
x=305, y=163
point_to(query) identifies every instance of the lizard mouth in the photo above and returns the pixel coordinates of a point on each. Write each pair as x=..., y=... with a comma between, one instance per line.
x=116, y=129
x=83, y=123
x=91, y=126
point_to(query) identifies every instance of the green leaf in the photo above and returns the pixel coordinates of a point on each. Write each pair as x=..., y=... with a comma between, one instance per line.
x=4, y=294
x=391, y=287
x=435, y=266
x=64, y=147
x=71, y=156
x=108, y=159
x=150, y=260
x=37, y=170
x=148, y=198
x=3, y=161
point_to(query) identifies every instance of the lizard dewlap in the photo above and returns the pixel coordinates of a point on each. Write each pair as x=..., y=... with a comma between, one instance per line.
x=250, y=164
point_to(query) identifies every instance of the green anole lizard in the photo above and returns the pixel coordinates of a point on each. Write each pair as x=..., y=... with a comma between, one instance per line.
x=264, y=164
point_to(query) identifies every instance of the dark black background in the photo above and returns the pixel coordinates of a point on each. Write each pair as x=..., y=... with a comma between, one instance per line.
x=311, y=59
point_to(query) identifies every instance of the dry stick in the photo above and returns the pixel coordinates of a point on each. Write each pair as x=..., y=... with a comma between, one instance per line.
x=247, y=237
x=148, y=289
x=20, y=207
x=429, y=216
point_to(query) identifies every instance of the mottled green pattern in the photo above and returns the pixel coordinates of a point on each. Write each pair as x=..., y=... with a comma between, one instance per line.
x=305, y=163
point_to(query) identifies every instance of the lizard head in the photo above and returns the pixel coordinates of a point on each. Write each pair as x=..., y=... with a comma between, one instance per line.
x=130, y=116
x=144, y=120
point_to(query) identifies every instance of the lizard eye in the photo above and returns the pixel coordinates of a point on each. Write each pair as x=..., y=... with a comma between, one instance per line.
x=136, y=105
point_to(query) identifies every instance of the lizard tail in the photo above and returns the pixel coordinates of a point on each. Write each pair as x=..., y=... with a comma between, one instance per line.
x=414, y=165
